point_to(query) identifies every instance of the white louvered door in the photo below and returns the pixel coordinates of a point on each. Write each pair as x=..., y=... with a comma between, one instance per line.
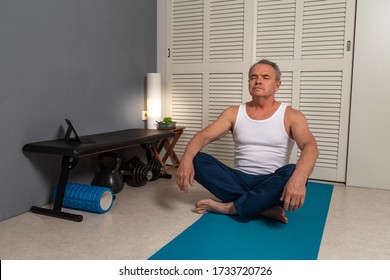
x=311, y=42
x=205, y=67
x=212, y=44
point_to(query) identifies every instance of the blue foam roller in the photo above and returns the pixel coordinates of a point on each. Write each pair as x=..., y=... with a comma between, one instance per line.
x=89, y=198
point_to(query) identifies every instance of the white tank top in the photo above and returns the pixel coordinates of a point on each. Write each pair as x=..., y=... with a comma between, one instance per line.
x=261, y=146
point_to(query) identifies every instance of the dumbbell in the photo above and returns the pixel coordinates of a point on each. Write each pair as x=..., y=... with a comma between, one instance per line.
x=156, y=167
x=135, y=172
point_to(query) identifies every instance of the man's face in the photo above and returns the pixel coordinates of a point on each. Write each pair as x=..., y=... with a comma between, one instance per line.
x=262, y=81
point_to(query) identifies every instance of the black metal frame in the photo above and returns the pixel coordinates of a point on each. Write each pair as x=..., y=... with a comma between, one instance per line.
x=67, y=164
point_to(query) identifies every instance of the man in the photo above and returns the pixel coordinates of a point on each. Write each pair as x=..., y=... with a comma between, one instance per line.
x=264, y=131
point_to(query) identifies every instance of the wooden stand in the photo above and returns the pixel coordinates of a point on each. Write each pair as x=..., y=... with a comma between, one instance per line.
x=169, y=145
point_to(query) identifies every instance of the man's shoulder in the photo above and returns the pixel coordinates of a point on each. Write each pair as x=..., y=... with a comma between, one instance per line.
x=230, y=113
x=294, y=116
x=292, y=113
x=232, y=109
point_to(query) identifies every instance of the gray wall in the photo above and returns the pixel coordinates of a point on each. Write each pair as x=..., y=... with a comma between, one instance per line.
x=85, y=60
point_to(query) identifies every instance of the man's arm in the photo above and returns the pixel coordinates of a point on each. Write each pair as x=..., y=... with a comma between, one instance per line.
x=185, y=173
x=295, y=190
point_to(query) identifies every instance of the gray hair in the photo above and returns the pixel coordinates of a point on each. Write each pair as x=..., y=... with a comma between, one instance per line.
x=270, y=63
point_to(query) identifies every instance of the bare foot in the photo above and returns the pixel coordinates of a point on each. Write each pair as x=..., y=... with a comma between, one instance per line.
x=276, y=213
x=210, y=205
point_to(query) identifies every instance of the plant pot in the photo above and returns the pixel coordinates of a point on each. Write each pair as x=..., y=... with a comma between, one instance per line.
x=165, y=126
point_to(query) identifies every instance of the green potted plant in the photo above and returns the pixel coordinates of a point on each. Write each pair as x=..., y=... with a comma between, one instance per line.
x=166, y=123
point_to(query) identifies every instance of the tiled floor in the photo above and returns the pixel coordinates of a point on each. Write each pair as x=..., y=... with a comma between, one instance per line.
x=144, y=219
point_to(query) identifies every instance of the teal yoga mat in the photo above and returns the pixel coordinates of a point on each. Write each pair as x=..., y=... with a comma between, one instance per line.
x=221, y=237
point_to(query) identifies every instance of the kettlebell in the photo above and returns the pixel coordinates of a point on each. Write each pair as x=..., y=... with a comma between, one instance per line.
x=109, y=175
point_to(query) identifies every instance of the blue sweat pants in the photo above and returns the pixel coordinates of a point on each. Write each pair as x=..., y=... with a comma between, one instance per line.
x=251, y=194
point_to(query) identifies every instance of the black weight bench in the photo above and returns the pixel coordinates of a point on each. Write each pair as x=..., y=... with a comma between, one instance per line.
x=73, y=149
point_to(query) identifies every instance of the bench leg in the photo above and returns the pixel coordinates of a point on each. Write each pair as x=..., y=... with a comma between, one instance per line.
x=67, y=164
x=151, y=153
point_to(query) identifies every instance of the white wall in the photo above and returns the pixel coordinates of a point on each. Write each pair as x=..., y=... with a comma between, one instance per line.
x=369, y=145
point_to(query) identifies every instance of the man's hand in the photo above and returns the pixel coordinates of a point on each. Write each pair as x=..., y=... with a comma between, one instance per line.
x=294, y=193
x=185, y=175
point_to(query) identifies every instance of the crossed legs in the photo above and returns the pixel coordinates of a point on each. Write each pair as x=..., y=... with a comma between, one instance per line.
x=210, y=205
x=240, y=194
